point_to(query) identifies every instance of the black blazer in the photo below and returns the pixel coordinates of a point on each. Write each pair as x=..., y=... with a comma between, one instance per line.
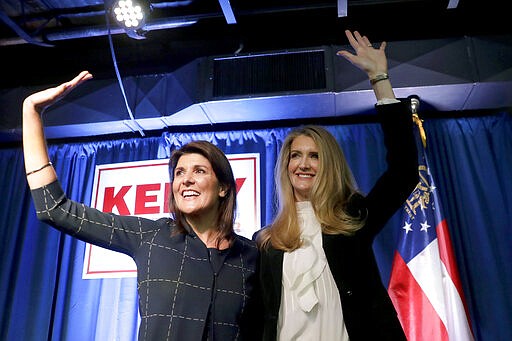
x=181, y=295
x=367, y=309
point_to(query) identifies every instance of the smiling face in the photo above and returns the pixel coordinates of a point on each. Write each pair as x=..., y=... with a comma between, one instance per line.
x=303, y=166
x=195, y=188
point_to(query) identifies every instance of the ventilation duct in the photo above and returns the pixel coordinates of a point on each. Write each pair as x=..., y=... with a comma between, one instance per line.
x=459, y=74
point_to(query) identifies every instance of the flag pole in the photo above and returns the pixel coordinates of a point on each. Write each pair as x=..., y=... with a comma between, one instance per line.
x=424, y=284
x=415, y=104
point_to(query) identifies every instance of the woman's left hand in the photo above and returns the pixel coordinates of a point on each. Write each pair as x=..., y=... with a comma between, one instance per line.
x=371, y=60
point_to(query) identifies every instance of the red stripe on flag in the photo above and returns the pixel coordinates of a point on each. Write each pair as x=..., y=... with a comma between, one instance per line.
x=417, y=316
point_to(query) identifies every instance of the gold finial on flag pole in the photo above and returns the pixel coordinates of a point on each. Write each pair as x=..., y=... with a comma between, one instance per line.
x=415, y=103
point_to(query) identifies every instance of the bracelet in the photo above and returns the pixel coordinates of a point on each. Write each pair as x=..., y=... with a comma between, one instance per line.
x=378, y=78
x=40, y=168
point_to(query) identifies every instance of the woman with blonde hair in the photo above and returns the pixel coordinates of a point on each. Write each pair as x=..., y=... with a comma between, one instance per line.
x=333, y=185
x=318, y=273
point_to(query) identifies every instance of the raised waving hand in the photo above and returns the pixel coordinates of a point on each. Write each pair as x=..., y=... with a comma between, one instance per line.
x=37, y=162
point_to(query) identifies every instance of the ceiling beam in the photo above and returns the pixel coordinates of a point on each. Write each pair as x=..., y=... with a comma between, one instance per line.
x=227, y=10
x=452, y=4
x=342, y=8
x=19, y=31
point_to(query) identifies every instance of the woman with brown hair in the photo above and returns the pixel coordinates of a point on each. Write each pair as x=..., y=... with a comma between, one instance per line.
x=197, y=279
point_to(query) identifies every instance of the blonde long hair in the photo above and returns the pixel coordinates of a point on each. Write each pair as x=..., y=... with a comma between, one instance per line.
x=332, y=190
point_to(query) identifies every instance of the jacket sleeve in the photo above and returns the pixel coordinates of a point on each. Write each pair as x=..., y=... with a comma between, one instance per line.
x=401, y=175
x=119, y=233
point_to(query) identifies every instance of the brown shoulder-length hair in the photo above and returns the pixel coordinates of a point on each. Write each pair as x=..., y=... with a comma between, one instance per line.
x=332, y=190
x=222, y=169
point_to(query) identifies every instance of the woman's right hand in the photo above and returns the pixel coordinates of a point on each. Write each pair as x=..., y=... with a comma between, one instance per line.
x=35, y=152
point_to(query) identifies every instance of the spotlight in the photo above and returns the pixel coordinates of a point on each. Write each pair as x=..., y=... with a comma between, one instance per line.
x=131, y=15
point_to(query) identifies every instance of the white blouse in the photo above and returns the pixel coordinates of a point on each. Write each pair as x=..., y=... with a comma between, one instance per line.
x=310, y=303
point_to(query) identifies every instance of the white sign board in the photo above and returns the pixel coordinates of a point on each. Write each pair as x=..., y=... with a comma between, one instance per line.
x=142, y=189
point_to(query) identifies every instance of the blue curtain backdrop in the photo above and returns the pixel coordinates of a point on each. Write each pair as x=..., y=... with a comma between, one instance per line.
x=42, y=294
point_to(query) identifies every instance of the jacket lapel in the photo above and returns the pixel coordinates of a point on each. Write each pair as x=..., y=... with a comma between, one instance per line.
x=276, y=270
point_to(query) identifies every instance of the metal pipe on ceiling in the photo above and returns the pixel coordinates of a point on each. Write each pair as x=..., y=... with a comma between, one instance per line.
x=49, y=36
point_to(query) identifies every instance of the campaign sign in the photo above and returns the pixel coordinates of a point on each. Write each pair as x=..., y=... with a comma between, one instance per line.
x=142, y=189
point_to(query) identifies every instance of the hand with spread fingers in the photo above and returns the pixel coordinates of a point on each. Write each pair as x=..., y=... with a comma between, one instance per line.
x=371, y=60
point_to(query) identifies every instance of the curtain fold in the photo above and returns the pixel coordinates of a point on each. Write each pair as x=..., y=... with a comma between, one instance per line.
x=471, y=160
x=43, y=295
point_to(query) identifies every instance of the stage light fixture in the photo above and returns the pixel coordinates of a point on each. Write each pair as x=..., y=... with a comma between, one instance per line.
x=131, y=14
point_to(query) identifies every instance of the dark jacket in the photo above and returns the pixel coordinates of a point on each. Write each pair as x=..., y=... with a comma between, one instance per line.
x=367, y=309
x=182, y=294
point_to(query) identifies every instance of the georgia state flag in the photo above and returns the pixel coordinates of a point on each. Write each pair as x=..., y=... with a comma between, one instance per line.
x=424, y=285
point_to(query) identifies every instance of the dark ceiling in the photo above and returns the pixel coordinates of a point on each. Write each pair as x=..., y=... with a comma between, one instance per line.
x=454, y=55
x=46, y=41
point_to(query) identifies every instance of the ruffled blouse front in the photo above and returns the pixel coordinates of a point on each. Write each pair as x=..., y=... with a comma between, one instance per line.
x=310, y=303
